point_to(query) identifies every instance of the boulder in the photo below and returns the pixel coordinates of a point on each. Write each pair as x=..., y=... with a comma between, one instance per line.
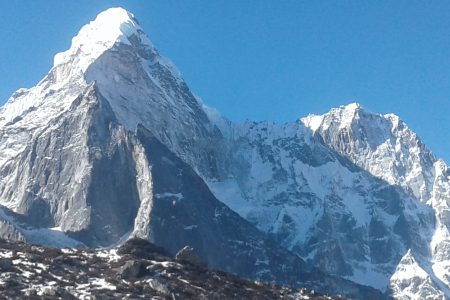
x=143, y=249
x=188, y=254
x=132, y=269
x=159, y=286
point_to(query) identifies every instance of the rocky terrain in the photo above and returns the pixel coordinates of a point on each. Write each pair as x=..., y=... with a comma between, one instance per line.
x=137, y=270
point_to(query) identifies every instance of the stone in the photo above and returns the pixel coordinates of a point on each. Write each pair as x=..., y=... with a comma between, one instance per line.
x=159, y=286
x=5, y=264
x=188, y=254
x=132, y=269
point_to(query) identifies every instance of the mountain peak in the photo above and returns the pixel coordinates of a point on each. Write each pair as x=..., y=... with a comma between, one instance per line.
x=115, y=14
x=347, y=114
x=351, y=106
x=113, y=23
x=109, y=27
x=342, y=115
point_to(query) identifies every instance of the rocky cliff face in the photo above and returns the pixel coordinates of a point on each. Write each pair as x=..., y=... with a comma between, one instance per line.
x=112, y=144
x=385, y=147
x=352, y=192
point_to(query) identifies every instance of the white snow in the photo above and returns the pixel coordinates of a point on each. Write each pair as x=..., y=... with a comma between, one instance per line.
x=312, y=121
x=367, y=274
x=229, y=192
x=49, y=237
x=190, y=227
x=111, y=26
x=102, y=284
x=6, y=254
x=411, y=281
x=176, y=196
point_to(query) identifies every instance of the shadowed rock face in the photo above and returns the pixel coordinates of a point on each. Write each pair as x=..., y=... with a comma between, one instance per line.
x=80, y=175
x=184, y=212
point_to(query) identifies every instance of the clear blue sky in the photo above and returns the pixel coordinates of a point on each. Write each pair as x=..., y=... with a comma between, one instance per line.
x=276, y=60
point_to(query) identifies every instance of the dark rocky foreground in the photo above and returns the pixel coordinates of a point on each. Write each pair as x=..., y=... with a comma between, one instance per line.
x=137, y=270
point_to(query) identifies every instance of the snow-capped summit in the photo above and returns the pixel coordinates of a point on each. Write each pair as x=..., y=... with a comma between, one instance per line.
x=356, y=186
x=338, y=118
x=381, y=144
x=343, y=115
x=114, y=25
x=111, y=27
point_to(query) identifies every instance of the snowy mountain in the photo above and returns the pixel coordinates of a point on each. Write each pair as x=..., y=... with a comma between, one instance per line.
x=112, y=144
x=354, y=193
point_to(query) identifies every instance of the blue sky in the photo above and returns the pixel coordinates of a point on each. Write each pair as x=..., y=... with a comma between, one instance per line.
x=276, y=60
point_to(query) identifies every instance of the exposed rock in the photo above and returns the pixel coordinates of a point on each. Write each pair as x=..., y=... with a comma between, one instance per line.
x=132, y=269
x=92, y=274
x=159, y=286
x=188, y=254
x=140, y=248
x=5, y=264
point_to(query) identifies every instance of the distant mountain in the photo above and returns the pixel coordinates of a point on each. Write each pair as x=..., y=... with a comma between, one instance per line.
x=112, y=144
x=354, y=193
